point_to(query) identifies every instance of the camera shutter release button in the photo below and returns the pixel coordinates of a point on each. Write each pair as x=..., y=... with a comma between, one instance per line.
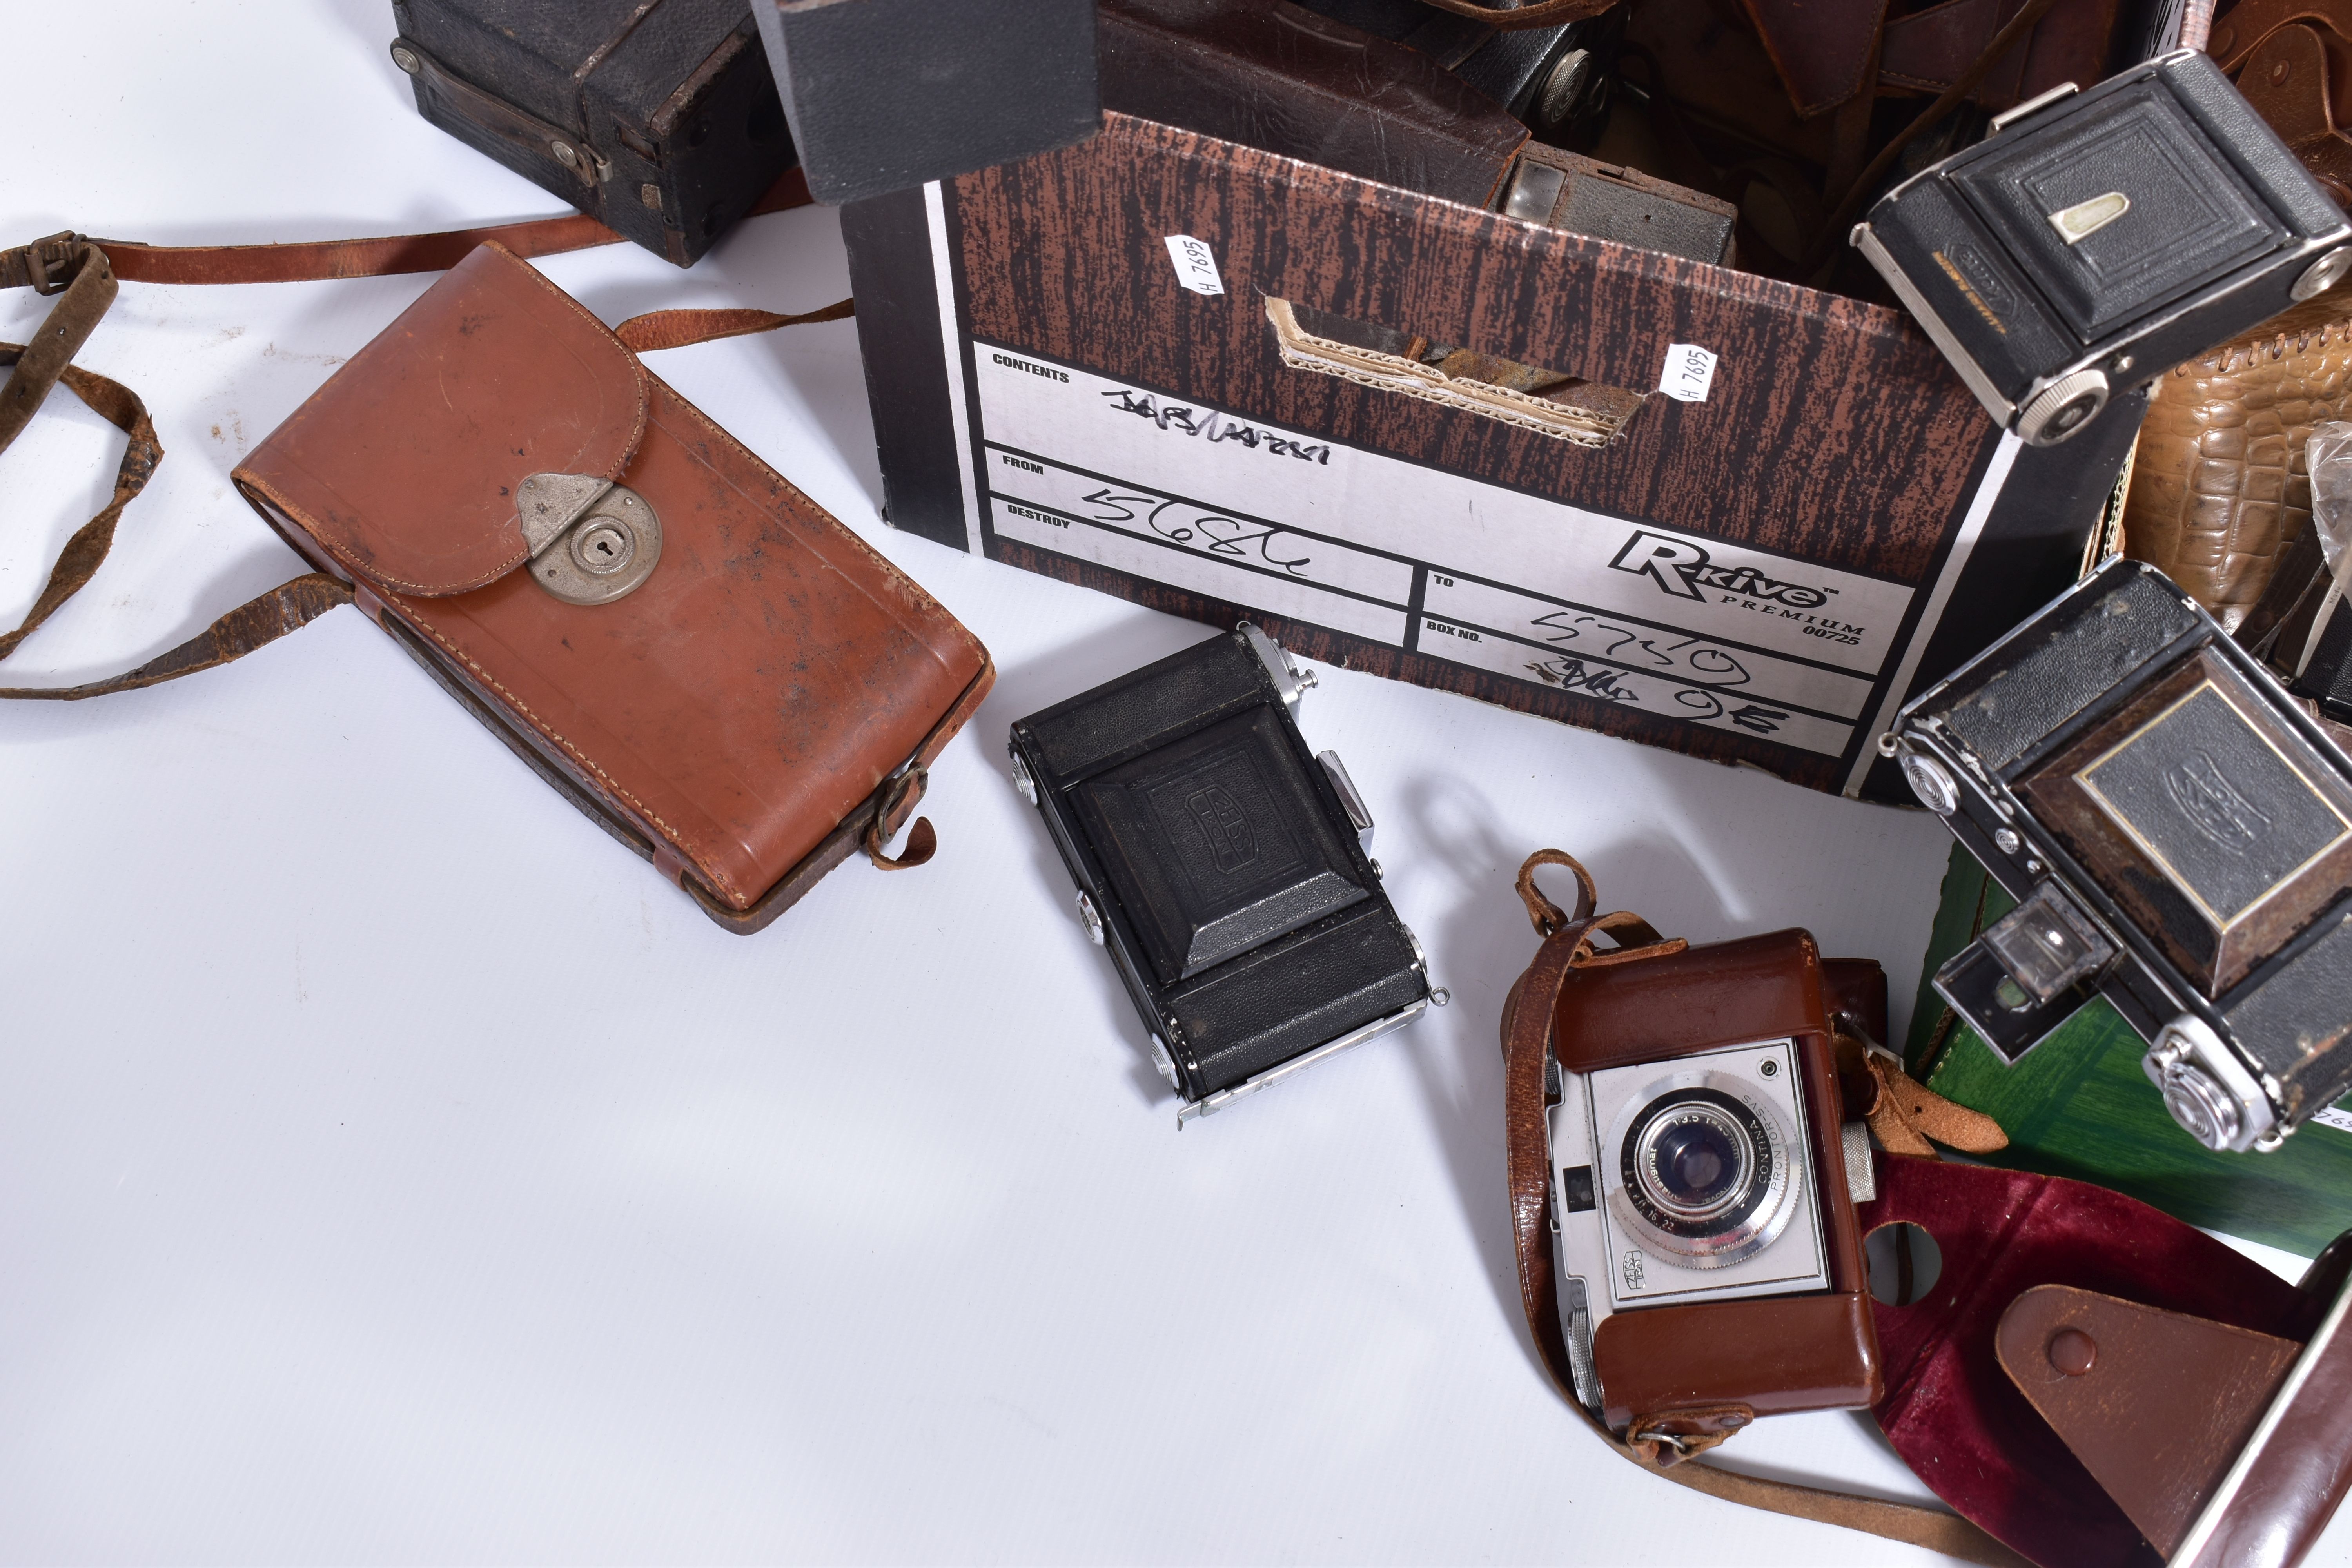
x=2072, y=1352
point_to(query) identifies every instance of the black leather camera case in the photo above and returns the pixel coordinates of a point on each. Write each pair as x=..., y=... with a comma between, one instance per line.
x=659, y=120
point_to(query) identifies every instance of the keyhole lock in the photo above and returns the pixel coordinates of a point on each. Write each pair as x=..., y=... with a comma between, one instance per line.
x=590, y=541
x=603, y=546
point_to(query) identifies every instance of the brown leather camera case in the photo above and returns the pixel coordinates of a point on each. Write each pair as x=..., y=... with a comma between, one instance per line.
x=767, y=698
x=1775, y=1353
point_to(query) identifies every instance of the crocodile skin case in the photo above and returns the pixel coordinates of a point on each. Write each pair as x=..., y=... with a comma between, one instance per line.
x=2218, y=495
x=657, y=116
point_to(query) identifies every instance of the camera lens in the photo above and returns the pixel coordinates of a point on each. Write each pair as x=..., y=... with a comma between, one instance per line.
x=1697, y=1160
x=1704, y=1172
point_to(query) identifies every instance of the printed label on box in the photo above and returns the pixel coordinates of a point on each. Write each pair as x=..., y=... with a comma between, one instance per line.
x=1688, y=373
x=1688, y=627
x=1196, y=263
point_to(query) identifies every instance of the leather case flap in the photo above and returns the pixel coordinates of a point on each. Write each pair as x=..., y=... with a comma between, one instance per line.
x=408, y=461
x=1821, y=51
x=1957, y=1418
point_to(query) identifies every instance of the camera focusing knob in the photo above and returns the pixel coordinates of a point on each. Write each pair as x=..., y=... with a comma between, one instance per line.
x=2062, y=407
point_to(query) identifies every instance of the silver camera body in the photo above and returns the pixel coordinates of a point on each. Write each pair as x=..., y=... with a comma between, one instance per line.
x=1680, y=1181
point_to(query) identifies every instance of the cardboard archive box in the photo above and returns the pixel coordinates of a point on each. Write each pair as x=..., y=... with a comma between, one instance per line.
x=1149, y=364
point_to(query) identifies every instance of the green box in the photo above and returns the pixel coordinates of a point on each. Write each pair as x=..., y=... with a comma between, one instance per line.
x=2078, y=1105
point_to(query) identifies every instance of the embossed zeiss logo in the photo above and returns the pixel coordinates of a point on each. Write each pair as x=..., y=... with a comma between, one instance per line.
x=2213, y=806
x=1685, y=570
x=1220, y=817
x=1632, y=1269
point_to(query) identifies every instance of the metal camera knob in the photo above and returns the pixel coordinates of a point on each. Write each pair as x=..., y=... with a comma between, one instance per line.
x=2209, y=1091
x=2201, y=1106
x=2323, y=274
x=2062, y=407
x=1931, y=781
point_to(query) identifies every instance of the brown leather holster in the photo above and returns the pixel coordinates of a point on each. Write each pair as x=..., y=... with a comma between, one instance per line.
x=764, y=702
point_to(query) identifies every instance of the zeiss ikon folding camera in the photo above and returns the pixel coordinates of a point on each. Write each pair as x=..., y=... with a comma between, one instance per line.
x=1707, y=1252
x=1223, y=866
x=2095, y=239
x=2178, y=835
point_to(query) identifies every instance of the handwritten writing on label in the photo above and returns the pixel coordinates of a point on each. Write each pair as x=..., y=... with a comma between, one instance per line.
x=2335, y=1116
x=1687, y=374
x=1687, y=658
x=1196, y=263
x=1214, y=426
x=1201, y=528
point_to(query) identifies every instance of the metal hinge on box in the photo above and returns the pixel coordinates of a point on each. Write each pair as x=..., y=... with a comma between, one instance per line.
x=488, y=112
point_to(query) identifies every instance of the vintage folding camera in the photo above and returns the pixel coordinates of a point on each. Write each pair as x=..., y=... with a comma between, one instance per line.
x=1224, y=866
x=2178, y=835
x=1707, y=1252
x=2095, y=239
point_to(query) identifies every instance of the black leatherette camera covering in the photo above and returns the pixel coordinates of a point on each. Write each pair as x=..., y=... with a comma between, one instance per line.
x=1244, y=918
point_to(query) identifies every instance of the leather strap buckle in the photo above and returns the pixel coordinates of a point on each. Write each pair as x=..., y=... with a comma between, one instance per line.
x=61, y=250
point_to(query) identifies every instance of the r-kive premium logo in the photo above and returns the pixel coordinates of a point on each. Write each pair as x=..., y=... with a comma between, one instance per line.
x=1685, y=569
x=1231, y=842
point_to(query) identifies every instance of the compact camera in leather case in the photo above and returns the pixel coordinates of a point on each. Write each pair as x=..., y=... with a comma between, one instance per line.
x=722, y=676
x=657, y=116
x=2178, y=835
x=1224, y=867
x=1709, y=1268
x=2096, y=239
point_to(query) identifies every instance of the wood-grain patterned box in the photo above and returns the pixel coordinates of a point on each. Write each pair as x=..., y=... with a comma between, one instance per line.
x=1757, y=518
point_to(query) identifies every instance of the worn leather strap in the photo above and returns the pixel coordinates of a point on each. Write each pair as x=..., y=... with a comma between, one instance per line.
x=1527, y=1038
x=2013, y=32
x=308, y=261
x=84, y=272
x=680, y=329
x=899, y=796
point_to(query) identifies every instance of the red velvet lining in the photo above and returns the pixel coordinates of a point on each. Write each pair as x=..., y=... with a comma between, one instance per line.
x=1950, y=1411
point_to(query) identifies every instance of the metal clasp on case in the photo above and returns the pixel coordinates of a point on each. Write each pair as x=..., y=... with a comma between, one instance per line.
x=591, y=541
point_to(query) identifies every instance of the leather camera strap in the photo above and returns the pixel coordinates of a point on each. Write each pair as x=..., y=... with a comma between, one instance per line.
x=1824, y=247
x=85, y=273
x=1527, y=1014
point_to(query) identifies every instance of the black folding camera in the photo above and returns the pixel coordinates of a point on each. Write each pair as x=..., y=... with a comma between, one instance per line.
x=2178, y=834
x=1224, y=867
x=2095, y=239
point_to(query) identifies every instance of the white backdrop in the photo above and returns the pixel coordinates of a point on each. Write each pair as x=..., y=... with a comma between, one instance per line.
x=394, y=1168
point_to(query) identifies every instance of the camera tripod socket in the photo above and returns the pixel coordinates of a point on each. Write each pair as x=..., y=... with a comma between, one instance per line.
x=2062, y=407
